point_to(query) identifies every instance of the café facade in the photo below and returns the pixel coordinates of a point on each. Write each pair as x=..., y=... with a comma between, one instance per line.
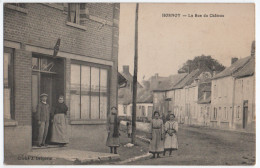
x=83, y=69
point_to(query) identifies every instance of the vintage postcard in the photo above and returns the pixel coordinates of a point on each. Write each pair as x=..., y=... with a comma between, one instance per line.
x=129, y=84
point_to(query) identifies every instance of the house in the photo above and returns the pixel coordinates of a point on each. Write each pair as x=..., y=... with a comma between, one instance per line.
x=83, y=67
x=193, y=93
x=244, y=100
x=125, y=93
x=163, y=95
x=144, y=105
x=233, y=95
x=185, y=108
x=204, y=106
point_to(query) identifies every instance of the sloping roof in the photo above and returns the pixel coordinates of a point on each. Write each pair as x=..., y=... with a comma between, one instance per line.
x=129, y=77
x=144, y=96
x=235, y=67
x=170, y=82
x=247, y=70
x=121, y=79
x=188, y=79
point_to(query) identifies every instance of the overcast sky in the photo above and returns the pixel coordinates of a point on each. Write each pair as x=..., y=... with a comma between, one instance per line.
x=165, y=43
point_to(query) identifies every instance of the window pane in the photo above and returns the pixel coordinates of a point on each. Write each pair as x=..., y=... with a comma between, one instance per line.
x=85, y=107
x=7, y=109
x=94, y=79
x=85, y=92
x=103, y=107
x=75, y=77
x=94, y=107
x=103, y=80
x=74, y=106
x=75, y=92
x=7, y=61
x=94, y=93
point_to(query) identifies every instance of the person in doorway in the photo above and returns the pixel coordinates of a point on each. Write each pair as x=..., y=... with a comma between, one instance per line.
x=157, y=134
x=113, y=131
x=59, y=128
x=171, y=129
x=43, y=116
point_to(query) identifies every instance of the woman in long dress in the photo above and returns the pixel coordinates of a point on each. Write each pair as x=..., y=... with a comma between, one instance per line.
x=59, y=128
x=113, y=131
x=157, y=134
x=171, y=129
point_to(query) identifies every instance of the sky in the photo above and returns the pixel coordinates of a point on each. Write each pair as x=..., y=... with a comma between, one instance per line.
x=165, y=43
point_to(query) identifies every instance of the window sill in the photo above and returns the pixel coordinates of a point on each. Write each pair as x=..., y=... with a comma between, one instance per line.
x=10, y=123
x=88, y=122
x=214, y=121
x=16, y=8
x=76, y=26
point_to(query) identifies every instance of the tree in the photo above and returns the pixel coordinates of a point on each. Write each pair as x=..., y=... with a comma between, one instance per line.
x=201, y=62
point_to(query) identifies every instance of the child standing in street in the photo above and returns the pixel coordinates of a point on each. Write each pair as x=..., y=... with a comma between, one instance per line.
x=129, y=129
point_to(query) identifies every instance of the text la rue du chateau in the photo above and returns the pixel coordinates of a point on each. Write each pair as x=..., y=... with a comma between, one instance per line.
x=191, y=15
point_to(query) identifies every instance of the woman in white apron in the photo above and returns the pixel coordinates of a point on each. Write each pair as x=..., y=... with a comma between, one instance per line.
x=59, y=128
x=171, y=129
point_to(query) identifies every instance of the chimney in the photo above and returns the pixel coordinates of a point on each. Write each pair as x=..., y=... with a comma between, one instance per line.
x=253, y=49
x=233, y=60
x=156, y=75
x=125, y=69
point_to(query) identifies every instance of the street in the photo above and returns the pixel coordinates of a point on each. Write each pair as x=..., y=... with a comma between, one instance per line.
x=205, y=146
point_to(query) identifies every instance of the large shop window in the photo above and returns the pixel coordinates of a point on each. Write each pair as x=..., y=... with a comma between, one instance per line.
x=8, y=84
x=88, y=92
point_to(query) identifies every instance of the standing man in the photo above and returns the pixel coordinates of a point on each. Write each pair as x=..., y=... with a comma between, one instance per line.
x=43, y=116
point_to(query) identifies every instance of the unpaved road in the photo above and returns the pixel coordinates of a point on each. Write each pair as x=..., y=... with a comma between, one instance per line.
x=205, y=146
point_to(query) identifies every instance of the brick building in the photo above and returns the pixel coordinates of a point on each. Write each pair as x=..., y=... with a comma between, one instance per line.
x=84, y=70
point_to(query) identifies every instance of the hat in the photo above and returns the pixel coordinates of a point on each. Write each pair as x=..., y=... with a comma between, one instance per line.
x=172, y=114
x=44, y=94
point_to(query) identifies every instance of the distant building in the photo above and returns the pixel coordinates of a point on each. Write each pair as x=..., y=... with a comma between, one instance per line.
x=125, y=92
x=204, y=105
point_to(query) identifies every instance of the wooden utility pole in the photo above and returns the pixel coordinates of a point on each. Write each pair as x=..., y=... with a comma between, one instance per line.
x=135, y=76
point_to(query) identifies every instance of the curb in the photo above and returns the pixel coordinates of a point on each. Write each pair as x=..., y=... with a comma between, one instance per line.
x=101, y=159
x=148, y=155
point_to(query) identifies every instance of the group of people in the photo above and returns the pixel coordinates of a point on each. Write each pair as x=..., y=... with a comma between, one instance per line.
x=57, y=117
x=163, y=136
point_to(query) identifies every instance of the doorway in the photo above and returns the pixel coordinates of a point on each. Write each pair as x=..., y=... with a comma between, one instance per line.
x=47, y=77
x=245, y=113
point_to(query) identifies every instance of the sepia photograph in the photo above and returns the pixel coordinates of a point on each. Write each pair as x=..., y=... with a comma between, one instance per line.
x=100, y=83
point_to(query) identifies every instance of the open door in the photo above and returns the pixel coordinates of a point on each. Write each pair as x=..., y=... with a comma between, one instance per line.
x=49, y=81
x=245, y=113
